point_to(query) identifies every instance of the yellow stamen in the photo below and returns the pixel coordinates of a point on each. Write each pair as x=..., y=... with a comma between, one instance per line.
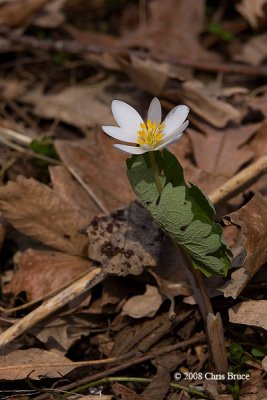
x=150, y=134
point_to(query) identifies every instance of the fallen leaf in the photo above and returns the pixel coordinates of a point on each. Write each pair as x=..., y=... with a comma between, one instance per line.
x=177, y=23
x=259, y=142
x=252, y=312
x=126, y=241
x=264, y=363
x=80, y=105
x=51, y=16
x=72, y=192
x=254, y=51
x=95, y=159
x=220, y=152
x=252, y=218
x=43, y=215
x=148, y=75
x=11, y=88
x=35, y=363
x=59, y=333
x=144, y=305
x=254, y=11
x=205, y=104
x=17, y=13
x=159, y=386
x=125, y=393
x=41, y=272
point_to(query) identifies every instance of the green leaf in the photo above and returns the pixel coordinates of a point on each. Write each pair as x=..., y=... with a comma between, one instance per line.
x=181, y=210
x=258, y=352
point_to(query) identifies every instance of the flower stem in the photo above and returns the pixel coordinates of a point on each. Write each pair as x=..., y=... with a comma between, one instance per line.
x=155, y=171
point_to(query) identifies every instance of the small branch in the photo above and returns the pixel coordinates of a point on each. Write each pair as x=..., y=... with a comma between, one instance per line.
x=75, y=47
x=240, y=181
x=78, y=287
x=134, y=379
x=135, y=361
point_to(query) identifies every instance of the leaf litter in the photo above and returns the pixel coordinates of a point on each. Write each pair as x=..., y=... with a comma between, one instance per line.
x=143, y=303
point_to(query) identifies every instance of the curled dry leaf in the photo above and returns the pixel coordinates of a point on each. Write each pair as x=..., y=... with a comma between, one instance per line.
x=252, y=312
x=37, y=211
x=16, y=13
x=254, y=11
x=217, y=112
x=252, y=219
x=144, y=305
x=41, y=272
x=126, y=241
x=34, y=363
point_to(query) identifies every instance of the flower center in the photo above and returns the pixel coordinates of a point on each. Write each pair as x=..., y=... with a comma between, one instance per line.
x=150, y=134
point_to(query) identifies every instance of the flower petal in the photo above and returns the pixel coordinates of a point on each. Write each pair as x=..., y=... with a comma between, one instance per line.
x=120, y=134
x=130, y=149
x=175, y=118
x=176, y=131
x=154, y=111
x=126, y=117
x=171, y=139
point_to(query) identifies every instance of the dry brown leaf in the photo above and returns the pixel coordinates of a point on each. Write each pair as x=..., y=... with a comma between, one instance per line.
x=59, y=333
x=220, y=152
x=254, y=11
x=101, y=167
x=11, y=88
x=252, y=312
x=259, y=141
x=264, y=363
x=80, y=105
x=51, y=15
x=148, y=75
x=144, y=305
x=20, y=12
x=170, y=274
x=125, y=393
x=126, y=241
x=41, y=272
x=37, y=211
x=72, y=192
x=254, y=51
x=35, y=363
x=252, y=218
x=172, y=30
x=205, y=104
x=159, y=386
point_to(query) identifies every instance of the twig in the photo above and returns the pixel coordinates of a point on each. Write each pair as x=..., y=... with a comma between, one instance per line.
x=78, y=287
x=134, y=379
x=88, y=190
x=135, y=361
x=240, y=181
x=28, y=152
x=74, y=47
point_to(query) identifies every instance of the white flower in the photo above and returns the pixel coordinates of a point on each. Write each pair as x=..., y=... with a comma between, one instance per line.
x=151, y=135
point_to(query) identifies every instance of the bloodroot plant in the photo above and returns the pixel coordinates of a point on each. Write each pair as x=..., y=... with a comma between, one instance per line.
x=181, y=210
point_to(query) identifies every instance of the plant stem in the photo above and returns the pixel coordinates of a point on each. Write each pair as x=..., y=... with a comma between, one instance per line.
x=213, y=324
x=134, y=379
x=155, y=171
